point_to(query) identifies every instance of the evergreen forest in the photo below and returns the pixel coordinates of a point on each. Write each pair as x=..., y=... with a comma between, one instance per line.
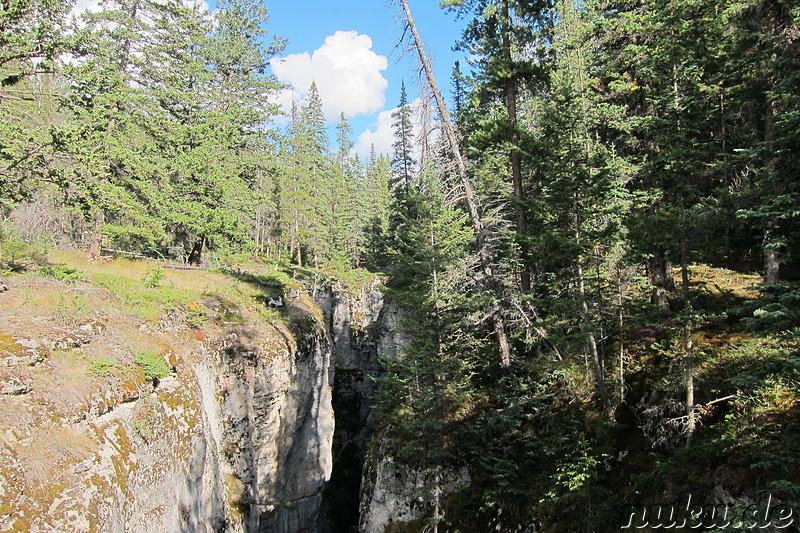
x=593, y=235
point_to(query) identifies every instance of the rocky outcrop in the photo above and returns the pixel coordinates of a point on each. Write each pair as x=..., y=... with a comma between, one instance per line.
x=356, y=325
x=261, y=427
x=396, y=494
x=237, y=439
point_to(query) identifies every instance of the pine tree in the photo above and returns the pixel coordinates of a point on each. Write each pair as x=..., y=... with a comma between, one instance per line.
x=377, y=199
x=503, y=40
x=33, y=35
x=764, y=112
x=108, y=175
x=403, y=163
x=317, y=178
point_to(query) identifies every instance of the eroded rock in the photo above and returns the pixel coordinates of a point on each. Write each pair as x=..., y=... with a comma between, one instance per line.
x=19, y=351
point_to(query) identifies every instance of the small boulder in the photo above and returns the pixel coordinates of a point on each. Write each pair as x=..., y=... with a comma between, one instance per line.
x=73, y=339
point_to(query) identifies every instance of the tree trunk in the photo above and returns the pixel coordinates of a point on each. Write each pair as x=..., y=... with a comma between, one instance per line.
x=588, y=326
x=688, y=343
x=660, y=279
x=484, y=252
x=772, y=263
x=197, y=251
x=621, y=317
x=96, y=243
x=516, y=164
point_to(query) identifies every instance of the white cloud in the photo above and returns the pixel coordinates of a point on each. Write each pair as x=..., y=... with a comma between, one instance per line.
x=347, y=73
x=382, y=136
x=284, y=98
x=85, y=5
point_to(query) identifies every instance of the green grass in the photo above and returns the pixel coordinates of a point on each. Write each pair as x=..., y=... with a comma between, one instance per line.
x=135, y=296
x=102, y=367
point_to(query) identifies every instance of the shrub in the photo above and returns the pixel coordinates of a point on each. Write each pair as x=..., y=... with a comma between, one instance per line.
x=195, y=315
x=144, y=419
x=153, y=277
x=153, y=367
x=102, y=366
x=61, y=273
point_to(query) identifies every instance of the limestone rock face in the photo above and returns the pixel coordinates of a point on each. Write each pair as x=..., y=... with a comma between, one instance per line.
x=238, y=439
x=20, y=351
x=261, y=427
x=395, y=493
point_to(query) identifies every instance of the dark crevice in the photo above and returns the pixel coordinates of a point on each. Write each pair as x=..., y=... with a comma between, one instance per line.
x=350, y=438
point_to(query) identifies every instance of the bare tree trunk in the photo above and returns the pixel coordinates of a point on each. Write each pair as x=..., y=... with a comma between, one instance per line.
x=661, y=279
x=688, y=342
x=484, y=252
x=437, y=495
x=621, y=343
x=599, y=375
x=197, y=250
x=772, y=264
x=97, y=235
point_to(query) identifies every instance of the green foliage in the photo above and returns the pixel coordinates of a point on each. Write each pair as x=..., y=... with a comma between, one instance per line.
x=16, y=255
x=153, y=277
x=403, y=164
x=147, y=302
x=777, y=312
x=153, y=366
x=72, y=309
x=102, y=366
x=195, y=315
x=144, y=419
x=61, y=273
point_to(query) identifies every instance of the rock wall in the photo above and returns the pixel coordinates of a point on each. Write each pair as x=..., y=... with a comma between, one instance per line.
x=237, y=439
x=394, y=495
x=359, y=325
x=261, y=427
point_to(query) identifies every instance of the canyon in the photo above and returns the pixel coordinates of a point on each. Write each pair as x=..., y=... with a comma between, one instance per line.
x=259, y=426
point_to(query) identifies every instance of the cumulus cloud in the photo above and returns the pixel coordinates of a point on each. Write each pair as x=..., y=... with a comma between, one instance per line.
x=381, y=133
x=382, y=136
x=347, y=73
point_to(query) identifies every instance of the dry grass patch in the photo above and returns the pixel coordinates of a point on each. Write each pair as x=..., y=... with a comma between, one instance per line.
x=49, y=456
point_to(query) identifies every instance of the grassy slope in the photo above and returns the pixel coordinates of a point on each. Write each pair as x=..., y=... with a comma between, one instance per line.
x=90, y=323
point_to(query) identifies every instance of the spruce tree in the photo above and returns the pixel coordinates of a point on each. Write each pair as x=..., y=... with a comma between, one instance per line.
x=403, y=163
x=33, y=35
x=110, y=175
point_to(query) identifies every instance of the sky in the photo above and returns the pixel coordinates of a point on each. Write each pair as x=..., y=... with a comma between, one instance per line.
x=349, y=49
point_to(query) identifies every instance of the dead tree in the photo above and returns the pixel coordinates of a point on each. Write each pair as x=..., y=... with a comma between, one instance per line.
x=484, y=251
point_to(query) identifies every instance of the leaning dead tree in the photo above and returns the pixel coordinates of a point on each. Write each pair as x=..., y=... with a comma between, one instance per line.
x=484, y=251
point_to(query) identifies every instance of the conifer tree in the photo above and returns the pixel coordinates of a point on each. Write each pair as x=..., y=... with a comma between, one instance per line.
x=316, y=155
x=104, y=139
x=403, y=163
x=378, y=198
x=33, y=34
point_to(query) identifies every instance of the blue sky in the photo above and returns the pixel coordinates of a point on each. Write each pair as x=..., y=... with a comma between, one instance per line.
x=349, y=48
